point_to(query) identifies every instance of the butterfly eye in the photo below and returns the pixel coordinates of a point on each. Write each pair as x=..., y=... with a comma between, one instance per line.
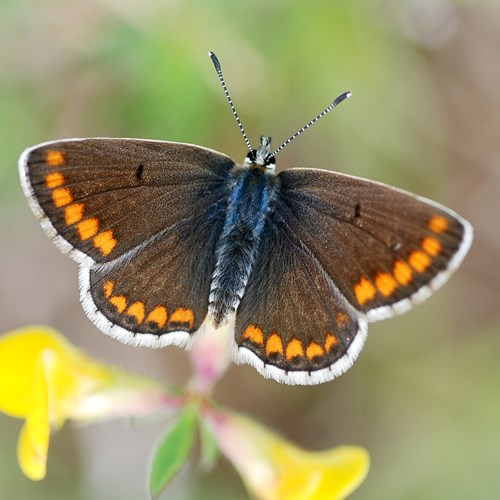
x=270, y=162
x=251, y=157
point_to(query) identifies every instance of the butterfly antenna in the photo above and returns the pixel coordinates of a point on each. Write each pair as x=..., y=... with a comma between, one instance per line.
x=228, y=97
x=334, y=104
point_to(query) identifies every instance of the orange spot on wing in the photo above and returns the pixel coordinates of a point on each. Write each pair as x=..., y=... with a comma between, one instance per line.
x=294, y=349
x=314, y=350
x=136, y=310
x=254, y=334
x=330, y=341
x=385, y=284
x=108, y=288
x=87, y=228
x=54, y=158
x=364, y=291
x=73, y=213
x=342, y=319
x=438, y=224
x=53, y=180
x=158, y=315
x=274, y=345
x=431, y=246
x=402, y=272
x=105, y=242
x=61, y=197
x=182, y=315
x=419, y=260
x=120, y=302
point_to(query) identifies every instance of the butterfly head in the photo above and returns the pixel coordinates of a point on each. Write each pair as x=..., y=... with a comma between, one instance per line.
x=261, y=157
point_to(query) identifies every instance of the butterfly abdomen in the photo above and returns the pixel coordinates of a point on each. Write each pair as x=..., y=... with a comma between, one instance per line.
x=250, y=200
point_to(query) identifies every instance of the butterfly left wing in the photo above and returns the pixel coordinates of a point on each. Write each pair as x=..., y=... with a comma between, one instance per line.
x=142, y=219
x=99, y=199
x=337, y=252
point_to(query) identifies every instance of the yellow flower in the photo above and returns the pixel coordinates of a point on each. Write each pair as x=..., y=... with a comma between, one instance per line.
x=45, y=380
x=273, y=468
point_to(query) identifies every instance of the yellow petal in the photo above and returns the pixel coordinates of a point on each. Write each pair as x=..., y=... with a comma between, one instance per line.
x=79, y=387
x=19, y=351
x=33, y=441
x=275, y=469
x=44, y=379
x=332, y=474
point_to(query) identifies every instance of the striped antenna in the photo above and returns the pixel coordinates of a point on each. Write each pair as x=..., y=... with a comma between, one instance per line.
x=228, y=97
x=335, y=103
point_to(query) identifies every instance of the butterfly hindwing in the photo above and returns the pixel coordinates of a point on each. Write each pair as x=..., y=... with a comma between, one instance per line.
x=383, y=248
x=292, y=324
x=161, y=295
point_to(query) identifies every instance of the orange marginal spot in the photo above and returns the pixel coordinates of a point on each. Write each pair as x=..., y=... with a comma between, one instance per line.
x=330, y=341
x=108, y=288
x=254, y=334
x=419, y=260
x=73, y=213
x=431, y=246
x=181, y=315
x=54, y=158
x=61, y=197
x=274, y=345
x=342, y=319
x=402, y=272
x=294, y=349
x=364, y=291
x=438, y=224
x=53, y=180
x=87, y=228
x=158, y=315
x=136, y=310
x=105, y=242
x=120, y=302
x=385, y=284
x=313, y=351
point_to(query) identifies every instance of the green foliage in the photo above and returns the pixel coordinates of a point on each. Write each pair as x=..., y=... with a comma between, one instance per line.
x=173, y=450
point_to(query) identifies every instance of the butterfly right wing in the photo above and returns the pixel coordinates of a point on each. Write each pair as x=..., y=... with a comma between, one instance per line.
x=292, y=324
x=336, y=252
x=386, y=249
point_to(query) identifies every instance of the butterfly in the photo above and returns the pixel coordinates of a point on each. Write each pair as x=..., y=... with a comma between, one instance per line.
x=170, y=235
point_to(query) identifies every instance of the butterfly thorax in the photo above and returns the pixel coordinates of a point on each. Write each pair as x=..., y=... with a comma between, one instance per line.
x=253, y=190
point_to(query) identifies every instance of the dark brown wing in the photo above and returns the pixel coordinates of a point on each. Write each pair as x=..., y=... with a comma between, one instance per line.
x=383, y=248
x=101, y=198
x=142, y=218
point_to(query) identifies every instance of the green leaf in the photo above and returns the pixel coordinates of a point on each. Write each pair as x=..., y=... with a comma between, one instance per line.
x=173, y=450
x=209, y=449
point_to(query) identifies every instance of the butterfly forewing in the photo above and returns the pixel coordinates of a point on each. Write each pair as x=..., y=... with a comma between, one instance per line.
x=106, y=197
x=382, y=247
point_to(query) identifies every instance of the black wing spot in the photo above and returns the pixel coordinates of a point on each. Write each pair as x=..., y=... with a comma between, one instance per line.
x=357, y=211
x=139, y=171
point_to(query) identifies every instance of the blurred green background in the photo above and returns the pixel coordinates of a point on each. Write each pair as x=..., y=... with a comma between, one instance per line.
x=423, y=397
